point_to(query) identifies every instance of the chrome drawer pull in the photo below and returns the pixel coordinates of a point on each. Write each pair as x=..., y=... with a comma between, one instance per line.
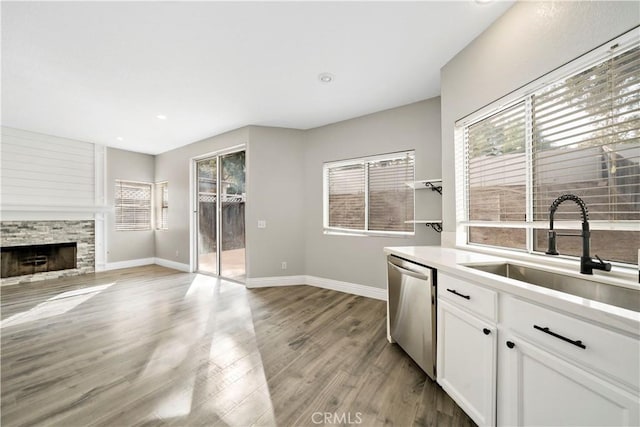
x=577, y=343
x=453, y=291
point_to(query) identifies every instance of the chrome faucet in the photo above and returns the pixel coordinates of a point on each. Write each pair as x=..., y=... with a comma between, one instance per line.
x=587, y=264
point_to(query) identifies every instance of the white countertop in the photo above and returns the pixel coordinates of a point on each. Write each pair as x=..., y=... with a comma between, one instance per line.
x=451, y=261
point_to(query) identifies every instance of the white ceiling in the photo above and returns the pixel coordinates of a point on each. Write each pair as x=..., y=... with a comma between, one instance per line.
x=96, y=71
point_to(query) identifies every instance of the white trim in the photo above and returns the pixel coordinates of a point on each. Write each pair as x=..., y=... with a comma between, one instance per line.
x=145, y=261
x=318, y=282
x=349, y=288
x=128, y=263
x=622, y=225
x=397, y=155
x=193, y=216
x=100, y=199
x=55, y=208
x=267, y=282
x=222, y=152
x=172, y=264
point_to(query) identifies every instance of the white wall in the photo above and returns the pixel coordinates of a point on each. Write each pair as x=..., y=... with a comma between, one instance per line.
x=360, y=260
x=41, y=170
x=127, y=245
x=528, y=41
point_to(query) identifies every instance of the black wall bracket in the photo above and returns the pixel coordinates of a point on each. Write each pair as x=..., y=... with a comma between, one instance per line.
x=437, y=227
x=433, y=187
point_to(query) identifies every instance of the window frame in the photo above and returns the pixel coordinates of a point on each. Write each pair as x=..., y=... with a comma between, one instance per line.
x=159, y=205
x=363, y=161
x=610, y=49
x=119, y=225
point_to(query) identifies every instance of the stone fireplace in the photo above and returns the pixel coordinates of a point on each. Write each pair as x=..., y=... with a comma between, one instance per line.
x=37, y=250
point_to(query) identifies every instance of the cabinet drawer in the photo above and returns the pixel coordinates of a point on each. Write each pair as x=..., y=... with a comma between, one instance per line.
x=599, y=349
x=465, y=294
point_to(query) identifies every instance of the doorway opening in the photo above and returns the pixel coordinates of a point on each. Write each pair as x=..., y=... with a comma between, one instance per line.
x=220, y=215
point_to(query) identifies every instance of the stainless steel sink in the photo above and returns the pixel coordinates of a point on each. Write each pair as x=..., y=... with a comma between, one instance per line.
x=582, y=287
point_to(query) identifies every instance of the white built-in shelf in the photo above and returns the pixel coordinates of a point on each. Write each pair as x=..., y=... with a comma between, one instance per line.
x=424, y=183
x=436, y=224
x=433, y=184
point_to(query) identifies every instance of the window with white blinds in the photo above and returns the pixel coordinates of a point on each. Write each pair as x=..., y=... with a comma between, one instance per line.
x=586, y=140
x=162, y=205
x=577, y=135
x=133, y=205
x=496, y=178
x=370, y=195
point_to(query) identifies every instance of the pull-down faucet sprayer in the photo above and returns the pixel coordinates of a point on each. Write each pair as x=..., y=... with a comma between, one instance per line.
x=587, y=264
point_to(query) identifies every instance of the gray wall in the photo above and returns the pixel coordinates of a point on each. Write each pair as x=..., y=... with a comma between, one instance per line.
x=529, y=40
x=173, y=167
x=275, y=193
x=127, y=245
x=360, y=259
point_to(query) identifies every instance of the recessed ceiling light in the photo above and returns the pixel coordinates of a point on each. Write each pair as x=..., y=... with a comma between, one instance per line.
x=325, y=77
x=120, y=138
x=483, y=1
x=161, y=117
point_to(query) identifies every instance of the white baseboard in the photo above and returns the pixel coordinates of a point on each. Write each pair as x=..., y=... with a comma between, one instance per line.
x=145, y=261
x=128, y=263
x=267, y=282
x=173, y=264
x=349, y=288
x=318, y=282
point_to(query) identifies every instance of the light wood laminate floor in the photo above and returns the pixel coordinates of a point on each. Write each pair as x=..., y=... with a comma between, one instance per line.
x=153, y=346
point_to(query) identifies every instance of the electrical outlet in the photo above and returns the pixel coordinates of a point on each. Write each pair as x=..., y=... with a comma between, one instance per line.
x=262, y=223
x=177, y=253
x=284, y=265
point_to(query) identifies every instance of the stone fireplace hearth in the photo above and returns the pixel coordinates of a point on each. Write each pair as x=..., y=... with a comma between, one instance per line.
x=24, y=233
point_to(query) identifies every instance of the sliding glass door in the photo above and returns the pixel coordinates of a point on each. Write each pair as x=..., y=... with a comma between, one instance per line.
x=232, y=196
x=207, y=210
x=221, y=215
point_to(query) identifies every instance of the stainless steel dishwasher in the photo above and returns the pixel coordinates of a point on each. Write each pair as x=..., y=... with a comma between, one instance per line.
x=411, y=311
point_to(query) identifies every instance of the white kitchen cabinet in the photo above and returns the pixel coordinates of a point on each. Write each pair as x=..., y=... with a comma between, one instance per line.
x=537, y=388
x=466, y=361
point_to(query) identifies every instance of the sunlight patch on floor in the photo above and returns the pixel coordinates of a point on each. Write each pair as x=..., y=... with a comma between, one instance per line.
x=54, y=306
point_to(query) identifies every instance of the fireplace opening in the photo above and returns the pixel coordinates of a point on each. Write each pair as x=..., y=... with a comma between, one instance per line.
x=31, y=259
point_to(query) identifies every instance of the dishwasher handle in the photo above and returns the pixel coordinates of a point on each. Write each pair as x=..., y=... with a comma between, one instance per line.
x=409, y=272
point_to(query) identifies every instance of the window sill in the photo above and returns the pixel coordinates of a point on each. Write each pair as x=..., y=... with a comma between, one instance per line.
x=330, y=232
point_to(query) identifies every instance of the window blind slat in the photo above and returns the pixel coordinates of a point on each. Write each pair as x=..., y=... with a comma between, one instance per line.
x=495, y=166
x=371, y=195
x=346, y=197
x=133, y=206
x=391, y=201
x=591, y=147
x=584, y=132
